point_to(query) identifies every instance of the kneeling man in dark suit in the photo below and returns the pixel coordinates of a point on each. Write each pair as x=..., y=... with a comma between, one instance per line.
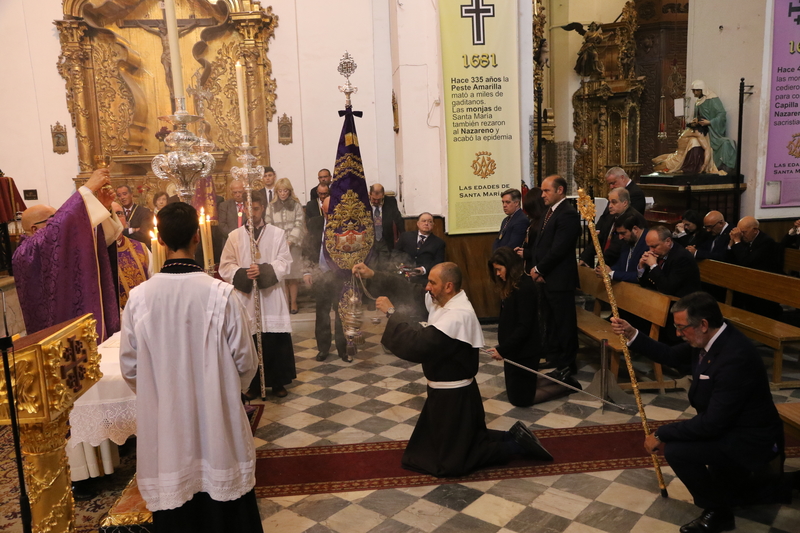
x=730, y=453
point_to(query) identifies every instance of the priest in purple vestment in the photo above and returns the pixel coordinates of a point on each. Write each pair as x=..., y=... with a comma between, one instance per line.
x=62, y=266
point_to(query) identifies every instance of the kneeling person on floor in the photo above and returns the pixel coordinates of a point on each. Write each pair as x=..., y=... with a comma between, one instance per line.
x=450, y=438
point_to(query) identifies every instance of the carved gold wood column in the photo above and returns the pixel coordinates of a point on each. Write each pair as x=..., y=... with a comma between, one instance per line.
x=51, y=369
x=47, y=475
x=74, y=66
x=256, y=28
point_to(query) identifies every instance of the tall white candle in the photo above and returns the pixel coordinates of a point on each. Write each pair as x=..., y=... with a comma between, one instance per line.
x=242, y=102
x=174, y=48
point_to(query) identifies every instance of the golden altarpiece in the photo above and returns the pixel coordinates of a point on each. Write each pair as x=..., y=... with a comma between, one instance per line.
x=607, y=104
x=116, y=66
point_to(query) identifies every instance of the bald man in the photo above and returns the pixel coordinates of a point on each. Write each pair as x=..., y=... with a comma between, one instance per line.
x=715, y=248
x=63, y=265
x=752, y=248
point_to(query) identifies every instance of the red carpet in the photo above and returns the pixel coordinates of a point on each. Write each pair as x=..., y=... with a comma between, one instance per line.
x=371, y=466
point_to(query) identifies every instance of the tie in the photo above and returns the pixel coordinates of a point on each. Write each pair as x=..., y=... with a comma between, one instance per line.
x=421, y=241
x=378, y=222
x=239, y=208
x=660, y=261
x=269, y=196
x=547, y=217
x=702, y=354
x=128, y=213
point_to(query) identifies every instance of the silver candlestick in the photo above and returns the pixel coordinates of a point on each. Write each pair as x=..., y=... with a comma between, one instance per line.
x=249, y=173
x=186, y=161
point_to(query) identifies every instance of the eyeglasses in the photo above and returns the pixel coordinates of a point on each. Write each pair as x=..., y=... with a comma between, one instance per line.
x=709, y=226
x=680, y=327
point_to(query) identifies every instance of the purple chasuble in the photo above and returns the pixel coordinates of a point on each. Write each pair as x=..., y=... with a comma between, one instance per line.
x=62, y=273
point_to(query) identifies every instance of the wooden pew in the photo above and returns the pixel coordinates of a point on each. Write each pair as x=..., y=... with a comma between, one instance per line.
x=791, y=260
x=647, y=304
x=790, y=414
x=769, y=286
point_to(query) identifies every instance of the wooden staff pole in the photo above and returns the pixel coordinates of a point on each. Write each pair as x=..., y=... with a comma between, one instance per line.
x=587, y=210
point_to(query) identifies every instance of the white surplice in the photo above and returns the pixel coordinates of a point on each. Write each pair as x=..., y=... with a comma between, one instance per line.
x=272, y=247
x=187, y=351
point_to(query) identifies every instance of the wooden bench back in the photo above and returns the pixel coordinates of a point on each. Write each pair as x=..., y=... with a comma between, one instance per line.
x=645, y=303
x=791, y=260
x=767, y=285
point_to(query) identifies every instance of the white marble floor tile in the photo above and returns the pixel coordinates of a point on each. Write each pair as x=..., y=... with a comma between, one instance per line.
x=494, y=510
x=627, y=497
x=287, y=522
x=560, y=503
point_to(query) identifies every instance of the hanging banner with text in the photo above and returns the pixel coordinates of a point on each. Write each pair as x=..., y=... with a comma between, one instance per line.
x=782, y=176
x=481, y=96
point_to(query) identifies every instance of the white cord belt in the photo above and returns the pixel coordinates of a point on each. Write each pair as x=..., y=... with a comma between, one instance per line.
x=449, y=384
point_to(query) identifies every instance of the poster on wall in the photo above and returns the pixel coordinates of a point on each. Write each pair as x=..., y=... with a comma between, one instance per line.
x=480, y=65
x=782, y=176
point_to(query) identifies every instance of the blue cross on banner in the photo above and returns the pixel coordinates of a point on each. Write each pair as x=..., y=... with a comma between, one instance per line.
x=477, y=11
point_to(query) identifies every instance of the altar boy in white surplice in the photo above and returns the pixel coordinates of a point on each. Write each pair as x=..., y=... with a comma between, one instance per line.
x=186, y=351
x=271, y=265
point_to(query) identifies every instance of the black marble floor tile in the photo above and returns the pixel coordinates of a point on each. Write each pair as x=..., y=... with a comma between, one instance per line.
x=273, y=431
x=462, y=523
x=326, y=381
x=642, y=478
x=535, y=521
x=453, y=496
x=387, y=502
x=414, y=403
x=370, y=391
x=325, y=409
x=584, y=485
x=324, y=428
x=375, y=424
x=319, y=528
x=392, y=526
x=522, y=491
x=576, y=410
x=763, y=514
x=372, y=407
x=671, y=402
x=326, y=394
x=607, y=517
x=673, y=511
x=319, y=508
x=413, y=388
x=409, y=375
x=368, y=379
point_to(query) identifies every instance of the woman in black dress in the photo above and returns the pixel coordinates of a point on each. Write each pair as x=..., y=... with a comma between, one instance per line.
x=533, y=206
x=517, y=332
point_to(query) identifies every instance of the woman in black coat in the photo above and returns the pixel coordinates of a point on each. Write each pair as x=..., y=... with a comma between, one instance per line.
x=534, y=208
x=517, y=332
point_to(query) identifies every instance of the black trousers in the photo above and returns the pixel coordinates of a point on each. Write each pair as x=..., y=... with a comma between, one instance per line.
x=202, y=514
x=327, y=291
x=563, y=315
x=717, y=481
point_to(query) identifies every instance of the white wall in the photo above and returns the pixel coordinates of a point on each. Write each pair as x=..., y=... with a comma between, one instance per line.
x=725, y=45
x=32, y=98
x=305, y=54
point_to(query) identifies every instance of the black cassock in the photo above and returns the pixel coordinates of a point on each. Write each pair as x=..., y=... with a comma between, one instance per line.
x=450, y=438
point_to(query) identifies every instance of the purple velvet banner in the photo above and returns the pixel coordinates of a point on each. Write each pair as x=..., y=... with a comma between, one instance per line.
x=782, y=173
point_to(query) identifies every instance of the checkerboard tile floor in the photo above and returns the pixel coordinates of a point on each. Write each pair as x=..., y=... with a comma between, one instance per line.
x=378, y=397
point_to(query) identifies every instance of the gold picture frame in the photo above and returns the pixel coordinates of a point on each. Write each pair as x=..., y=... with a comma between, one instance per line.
x=59, y=135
